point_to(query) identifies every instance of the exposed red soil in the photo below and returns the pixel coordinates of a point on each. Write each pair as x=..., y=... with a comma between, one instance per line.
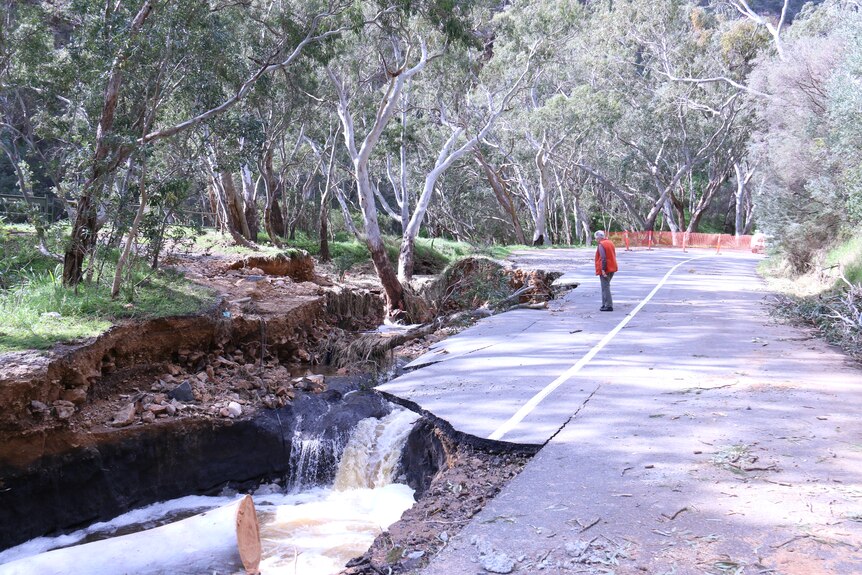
x=261, y=332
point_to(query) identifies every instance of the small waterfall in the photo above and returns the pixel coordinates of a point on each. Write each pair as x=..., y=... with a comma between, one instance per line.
x=371, y=457
x=368, y=458
x=326, y=527
x=312, y=460
x=304, y=531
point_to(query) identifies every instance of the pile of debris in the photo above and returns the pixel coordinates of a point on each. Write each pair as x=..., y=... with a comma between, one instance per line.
x=225, y=388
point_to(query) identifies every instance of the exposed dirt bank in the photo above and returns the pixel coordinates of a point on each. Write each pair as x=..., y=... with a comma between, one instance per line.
x=95, y=411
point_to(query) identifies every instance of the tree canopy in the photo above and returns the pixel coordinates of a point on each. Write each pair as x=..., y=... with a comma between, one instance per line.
x=524, y=121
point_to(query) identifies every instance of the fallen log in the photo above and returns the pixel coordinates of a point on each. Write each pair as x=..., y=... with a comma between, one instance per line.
x=223, y=540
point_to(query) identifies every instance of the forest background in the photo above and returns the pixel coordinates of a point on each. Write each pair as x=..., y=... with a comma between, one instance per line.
x=127, y=126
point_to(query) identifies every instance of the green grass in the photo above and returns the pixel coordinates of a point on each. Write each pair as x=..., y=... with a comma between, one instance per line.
x=847, y=256
x=36, y=311
x=821, y=296
x=843, y=259
x=431, y=255
x=211, y=240
x=346, y=252
x=40, y=312
x=18, y=257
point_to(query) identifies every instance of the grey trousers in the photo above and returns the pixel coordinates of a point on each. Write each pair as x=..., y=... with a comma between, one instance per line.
x=607, y=300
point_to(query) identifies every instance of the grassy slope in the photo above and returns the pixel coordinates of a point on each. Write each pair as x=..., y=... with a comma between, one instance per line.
x=829, y=296
x=36, y=311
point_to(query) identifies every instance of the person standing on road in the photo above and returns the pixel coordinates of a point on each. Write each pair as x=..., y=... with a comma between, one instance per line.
x=606, y=266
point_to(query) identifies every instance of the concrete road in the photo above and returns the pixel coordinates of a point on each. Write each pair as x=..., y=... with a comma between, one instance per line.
x=685, y=432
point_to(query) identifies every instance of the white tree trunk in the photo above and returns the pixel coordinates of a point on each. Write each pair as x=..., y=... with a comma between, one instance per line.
x=669, y=215
x=249, y=200
x=345, y=214
x=540, y=233
x=360, y=157
x=742, y=192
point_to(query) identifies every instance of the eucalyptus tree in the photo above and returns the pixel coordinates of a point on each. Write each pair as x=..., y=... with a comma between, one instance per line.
x=500, y=184
x=387, y=55
x=806, y=138
x=171, y=53
x=545, y=118
x=462, y=117
x=650, y=132
x=38, y=125
x=108, y=152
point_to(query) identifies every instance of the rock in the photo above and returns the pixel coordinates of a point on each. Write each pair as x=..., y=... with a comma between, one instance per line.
x=174, y=369
x=412, y=560
x=210, y=373
x=51, y=315
x=303, y=355
x=492, y=560
x=234, y=409
x=202, y=376
x=125, y=416
x=148, y=417
x=63, y=409
x=38, y=408
x=170, y=409
x=317, y=383
x=316, y=379
x=224, y=412
x=182, y=392
x=303, y=384
x=268, y=489
x=77, y=396
x=157, y=409
x=497, y=562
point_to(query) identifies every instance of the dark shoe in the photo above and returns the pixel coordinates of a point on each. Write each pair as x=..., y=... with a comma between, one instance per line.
x=606, y=309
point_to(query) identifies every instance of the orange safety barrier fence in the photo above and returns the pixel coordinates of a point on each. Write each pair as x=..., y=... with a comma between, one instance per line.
x=685, y=240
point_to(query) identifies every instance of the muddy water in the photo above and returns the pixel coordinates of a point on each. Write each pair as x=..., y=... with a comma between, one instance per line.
x=311, y=532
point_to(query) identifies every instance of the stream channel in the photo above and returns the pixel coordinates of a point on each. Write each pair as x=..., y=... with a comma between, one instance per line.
x=306, y=528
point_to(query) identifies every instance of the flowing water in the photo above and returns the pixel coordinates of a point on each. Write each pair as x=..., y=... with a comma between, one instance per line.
x=305, y=531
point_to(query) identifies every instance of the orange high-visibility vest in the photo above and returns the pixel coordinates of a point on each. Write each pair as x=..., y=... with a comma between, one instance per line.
x=610, y=257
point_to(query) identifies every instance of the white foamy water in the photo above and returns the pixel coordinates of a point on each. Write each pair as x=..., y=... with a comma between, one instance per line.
x=314, y=532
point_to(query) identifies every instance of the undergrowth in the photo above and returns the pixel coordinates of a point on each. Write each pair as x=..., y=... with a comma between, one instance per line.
x=829, y=297
x=37, y=311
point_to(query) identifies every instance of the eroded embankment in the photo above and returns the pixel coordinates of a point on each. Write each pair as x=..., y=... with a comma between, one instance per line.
x=81, y=478
x=55, y=389
x=160, y=408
